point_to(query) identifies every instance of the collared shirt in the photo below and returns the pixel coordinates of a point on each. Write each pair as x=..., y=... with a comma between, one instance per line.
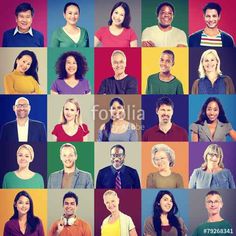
x=175, y=133
x=23, y=132
x=205, y=86
x=28, y=32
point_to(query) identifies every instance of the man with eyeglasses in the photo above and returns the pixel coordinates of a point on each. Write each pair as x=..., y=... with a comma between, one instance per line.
x=215, y=224
x=117, y=175
x=164, y=34
x=23, y=129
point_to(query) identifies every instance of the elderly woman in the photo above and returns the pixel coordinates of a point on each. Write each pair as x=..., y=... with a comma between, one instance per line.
x=212, y=173
x=117, y=128
x=117, y=223
x=212, y=124
x=23, y=221
x=211, y=80
x=164, y=220
x=163, y=158
x=23, y=177
x=120, y=83
x=70, y=35
x=71, y=67
x=71, y=127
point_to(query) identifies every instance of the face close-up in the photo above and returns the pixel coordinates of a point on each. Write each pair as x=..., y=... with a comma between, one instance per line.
x=22, y=109
x=111, y=202
x=68, y=157
x=211, y=18
x=212, y=111
x=72, y=15
x=22, y=205
x=24, y=21
x=166, y=62
x=213, y=204
x=161, y=161
x=117, y=111
x=164, y=113
x=71, y=66
x=117, y=157
x=165, y=16
x=209, y=63
x=166, y=203
x=23, y=64
x=118, y=64
x=24, y=158
x=70, y=111
x=69, y=206
x=118, y=16
x=213, y=159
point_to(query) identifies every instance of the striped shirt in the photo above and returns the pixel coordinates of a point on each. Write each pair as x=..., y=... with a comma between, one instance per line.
x=209, y=41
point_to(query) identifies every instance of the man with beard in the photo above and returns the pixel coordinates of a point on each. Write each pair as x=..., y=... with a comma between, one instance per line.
x=23, y=129
x=70, y=176
x=164, y=34
x=211, y=35
x=70, y=224
x=117, y=175
x=215, y=224
x=165, y=130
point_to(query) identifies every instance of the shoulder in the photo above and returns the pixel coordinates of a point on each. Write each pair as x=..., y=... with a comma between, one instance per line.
x=196, y=34
x=36, y=32
x=83, y=222
x=153, y=76
x=84, y=126
x=9, y=32
x=151, y=129
x=56, y=173
x=178, y=128
x=225, y=34
x=102, y=127
x=149, y=221
x=177, y=30
x=9, y=175
x=130, y=169
x=176, y=175
x=83, y=173
x=125, y=217
x=38, y=176
x=9, y=124
x=150, y=28
x=105, y=169
x=102, y=29
x=35, y=122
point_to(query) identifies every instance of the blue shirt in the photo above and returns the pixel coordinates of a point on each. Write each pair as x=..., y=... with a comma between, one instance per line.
x=205, y=86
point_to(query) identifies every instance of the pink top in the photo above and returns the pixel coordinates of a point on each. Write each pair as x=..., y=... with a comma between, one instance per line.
x=109, y=40
x=61, y=135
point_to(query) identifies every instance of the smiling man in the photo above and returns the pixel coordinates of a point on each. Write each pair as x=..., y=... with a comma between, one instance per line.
x=164, y=82
x=211, y=35
x=70, y=224
x=23, y=35
x=164, y=34
x=165, y=130
x=120, y=83
x=215, y=224
x=70, y=176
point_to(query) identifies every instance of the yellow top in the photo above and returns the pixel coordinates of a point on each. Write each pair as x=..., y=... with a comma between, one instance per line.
x=17, y=83
x=111, y=229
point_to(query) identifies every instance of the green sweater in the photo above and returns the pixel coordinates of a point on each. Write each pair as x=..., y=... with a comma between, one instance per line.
x=157, y=86
x=10, y=180
x=221, y=228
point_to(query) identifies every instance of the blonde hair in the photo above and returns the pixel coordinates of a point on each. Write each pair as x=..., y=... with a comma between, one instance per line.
x=201, y=70
x=118, y=52
x=65, y=145
x=213, y=148
x=27, y=147
x=110, y=192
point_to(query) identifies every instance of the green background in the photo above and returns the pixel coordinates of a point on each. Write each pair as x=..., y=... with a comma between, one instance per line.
x=180, y=19
x=55, y=53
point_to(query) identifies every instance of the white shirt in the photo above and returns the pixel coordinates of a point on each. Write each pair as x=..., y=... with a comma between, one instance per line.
x=23, y=132
x=29, y=31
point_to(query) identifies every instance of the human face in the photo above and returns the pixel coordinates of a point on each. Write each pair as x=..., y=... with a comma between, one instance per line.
x=24, y=21
x=68, y=157
x=23, y=64
x=69, y=207
x=118, y=16
x=70, y=111
x=71, y=66
x=165, y=16
x=209, y=63
x=117, y=111
x=72, y=15
x=211, y=18
x=117, y=157
x=118, y=64
x=24, y=158
x=22, y=109
x=166, y=62
x=164, y=113
x=213, y=204
x=212, y=111
x=161, y=160
x=213, y=159
x=166, y=203
x=22, y=205
x=112, y=203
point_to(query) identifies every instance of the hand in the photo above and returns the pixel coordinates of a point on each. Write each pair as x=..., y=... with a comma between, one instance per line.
x=60, y=226
x=148, y=44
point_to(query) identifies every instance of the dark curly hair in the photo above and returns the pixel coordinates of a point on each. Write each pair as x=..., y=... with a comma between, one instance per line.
x=81, y=63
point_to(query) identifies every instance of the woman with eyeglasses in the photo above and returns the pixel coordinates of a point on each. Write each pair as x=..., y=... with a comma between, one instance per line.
x=212, y=173
x=163, y=158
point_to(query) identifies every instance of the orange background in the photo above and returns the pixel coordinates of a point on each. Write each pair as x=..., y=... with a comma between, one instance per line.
x=181, y=160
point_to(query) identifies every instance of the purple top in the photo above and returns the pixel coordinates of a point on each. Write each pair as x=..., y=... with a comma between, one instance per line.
x=61, y=87
x=12, y=228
